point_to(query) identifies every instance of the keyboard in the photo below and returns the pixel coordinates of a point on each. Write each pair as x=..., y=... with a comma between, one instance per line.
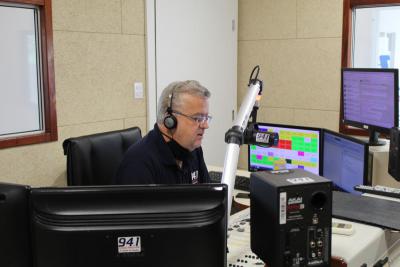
x=379, y=190
x=241, y=182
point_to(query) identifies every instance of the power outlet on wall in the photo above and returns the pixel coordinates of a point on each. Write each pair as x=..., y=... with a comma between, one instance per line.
x=138, y=90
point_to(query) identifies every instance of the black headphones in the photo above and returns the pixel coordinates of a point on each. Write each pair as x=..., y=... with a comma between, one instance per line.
x=170, y=121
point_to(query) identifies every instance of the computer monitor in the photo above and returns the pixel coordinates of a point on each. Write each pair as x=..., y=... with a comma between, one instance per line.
x=130, y=226
x=298, y=147
x=370, y=100
x=345, y=161
x=15, y=242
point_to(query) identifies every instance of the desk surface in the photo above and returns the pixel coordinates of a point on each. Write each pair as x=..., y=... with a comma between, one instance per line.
x=367, y=210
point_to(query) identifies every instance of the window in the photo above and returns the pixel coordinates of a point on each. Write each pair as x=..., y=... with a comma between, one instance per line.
x=27, y=95
x=371, y=38
x=376, y=37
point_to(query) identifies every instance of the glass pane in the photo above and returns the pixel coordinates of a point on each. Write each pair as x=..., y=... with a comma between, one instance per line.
x=20, y=85
x=376, y=36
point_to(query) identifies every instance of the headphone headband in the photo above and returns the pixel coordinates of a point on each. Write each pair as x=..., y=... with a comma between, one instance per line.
x=169, y=108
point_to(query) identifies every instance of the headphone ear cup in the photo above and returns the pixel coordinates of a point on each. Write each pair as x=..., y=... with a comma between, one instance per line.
x=170, y=122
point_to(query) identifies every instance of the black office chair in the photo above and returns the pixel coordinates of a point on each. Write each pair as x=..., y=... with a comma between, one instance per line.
x=94, y=159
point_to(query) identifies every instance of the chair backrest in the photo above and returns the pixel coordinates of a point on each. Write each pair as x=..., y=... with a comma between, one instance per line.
x=94, y=159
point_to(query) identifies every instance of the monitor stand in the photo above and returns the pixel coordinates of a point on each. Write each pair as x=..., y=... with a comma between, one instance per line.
x=373, y=139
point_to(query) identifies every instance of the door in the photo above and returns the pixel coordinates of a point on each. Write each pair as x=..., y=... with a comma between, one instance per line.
x=195, y=40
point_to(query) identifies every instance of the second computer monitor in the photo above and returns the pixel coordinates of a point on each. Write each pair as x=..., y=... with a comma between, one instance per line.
x=345, y=161
x=298, y=147
x=370, y=100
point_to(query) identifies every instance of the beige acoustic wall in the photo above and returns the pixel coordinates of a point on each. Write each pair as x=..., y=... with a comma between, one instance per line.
x=99, y=52
x=297, y=44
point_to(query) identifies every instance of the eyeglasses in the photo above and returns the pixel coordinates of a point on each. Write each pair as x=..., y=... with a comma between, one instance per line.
x=200, y=119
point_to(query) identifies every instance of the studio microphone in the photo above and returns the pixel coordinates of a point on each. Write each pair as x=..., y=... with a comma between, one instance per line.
x=253, y=136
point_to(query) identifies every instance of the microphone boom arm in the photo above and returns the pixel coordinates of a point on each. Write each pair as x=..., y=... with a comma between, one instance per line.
x=235, y=137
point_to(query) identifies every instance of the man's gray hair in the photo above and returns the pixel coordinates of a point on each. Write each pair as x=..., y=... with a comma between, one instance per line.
x=176, y=89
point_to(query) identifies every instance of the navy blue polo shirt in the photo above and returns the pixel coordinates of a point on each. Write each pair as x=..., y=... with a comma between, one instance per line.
x=150, y=161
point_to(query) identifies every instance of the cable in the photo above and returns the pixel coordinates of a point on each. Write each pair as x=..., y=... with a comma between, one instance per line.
x=251, y=79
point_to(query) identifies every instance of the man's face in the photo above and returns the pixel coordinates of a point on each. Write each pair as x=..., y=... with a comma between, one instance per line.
x=189, y=133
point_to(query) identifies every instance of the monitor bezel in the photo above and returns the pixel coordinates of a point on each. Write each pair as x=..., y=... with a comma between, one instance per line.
x=366, y=178
x=365, y=126
x=319, y=130
x=14, y=221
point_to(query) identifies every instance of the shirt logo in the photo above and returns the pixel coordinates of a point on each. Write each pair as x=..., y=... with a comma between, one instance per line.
x=195, y=177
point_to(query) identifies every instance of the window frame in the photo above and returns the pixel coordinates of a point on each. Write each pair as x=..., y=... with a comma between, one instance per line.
x=49, y=95
x=348, y=6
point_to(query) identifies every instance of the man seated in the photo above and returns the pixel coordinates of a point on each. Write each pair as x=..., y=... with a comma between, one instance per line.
x=171, y=153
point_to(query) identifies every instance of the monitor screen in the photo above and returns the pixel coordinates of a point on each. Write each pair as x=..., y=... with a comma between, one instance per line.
x=345, y=161
x=146, y=226
x=298, y=147
x=370, y=98
x=15, y=247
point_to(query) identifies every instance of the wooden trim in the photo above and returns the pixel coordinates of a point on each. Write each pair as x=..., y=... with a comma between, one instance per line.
x=356, y=3
x=348, y=6
x=346, y=34
x=49, y=93
x=49, y=77
x=346, y=48
x=27, y=2
x=25, y=140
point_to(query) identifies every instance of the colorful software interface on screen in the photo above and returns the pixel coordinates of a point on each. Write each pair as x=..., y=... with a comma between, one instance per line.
x=297, y=148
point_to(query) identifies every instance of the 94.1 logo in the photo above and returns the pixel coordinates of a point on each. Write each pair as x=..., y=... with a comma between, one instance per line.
x=129, y=244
